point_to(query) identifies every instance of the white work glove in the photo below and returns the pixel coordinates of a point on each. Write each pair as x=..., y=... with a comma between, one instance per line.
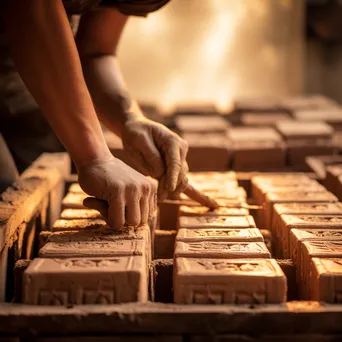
x=156, y=151
x=131, y=196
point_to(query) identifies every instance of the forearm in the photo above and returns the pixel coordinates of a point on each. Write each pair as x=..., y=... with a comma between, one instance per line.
x=45, y=55
x=112, y=100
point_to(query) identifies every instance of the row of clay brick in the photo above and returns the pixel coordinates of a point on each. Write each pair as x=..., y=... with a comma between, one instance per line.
x=250, y=104
x=306, y=224
x=82, y=261
x=248, y=148
x=221, y=259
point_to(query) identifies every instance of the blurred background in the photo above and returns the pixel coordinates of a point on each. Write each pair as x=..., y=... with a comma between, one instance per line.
x=216, y=50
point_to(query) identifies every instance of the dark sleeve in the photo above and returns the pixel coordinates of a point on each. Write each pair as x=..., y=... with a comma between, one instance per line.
x=139, y=8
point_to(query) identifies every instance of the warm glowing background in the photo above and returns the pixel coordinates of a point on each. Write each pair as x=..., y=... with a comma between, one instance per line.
x=214, y=50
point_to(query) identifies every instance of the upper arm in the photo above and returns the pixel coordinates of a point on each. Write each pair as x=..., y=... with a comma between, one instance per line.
x=99, y=32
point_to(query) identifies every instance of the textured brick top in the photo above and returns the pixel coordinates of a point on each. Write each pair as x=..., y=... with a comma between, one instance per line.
x=216, y=222
x=304, y=130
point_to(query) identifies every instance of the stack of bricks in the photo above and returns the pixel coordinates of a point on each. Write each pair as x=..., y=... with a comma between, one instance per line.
x=220, y=256
x=261, y=134
x=83, y=261
x=306, y=224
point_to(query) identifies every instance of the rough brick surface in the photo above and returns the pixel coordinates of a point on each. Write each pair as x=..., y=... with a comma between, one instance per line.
x=220, y=281
x=293, y=196
x=221, y=211
x=298, y=236
x=71, y=214
x=288, y=222
x=73, y=201
x=314, y=249
x=210, y=154
x=79, y=224
x=227, y=250
x=221, y=234
x=85, y=281
x=216, y=222
x=201, y=124
x=326, y=280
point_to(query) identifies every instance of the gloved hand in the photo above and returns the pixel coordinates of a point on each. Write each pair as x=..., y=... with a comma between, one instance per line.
x=156, y=151
x=131, y=196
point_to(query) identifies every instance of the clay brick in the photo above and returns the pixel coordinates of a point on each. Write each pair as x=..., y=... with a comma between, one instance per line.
x=258, y=155
x=308, y=102
x=263, y=119
x=314, y=249
x=246, y=134
x=298, y=151
x=201, y=124
x=208, y=153
x=84, y=249
x=297, y=236
x=305, y=131
x=216, y=222
x=142, y=234
x=332, y=116
x=326, y=280
x=264, y=189
x=318, y=164
x=221, y=211
x=79, y=224
x=71, y=214
x=73, y=201
x=275, y=197
x=43, y=238
x=219, y=281
x=331, y=180
x=257, y=148
x=215, y=185
x=258, y=104
x=288, y=222
x=227, y=250
x=203, y=177
x=232, y=202
x=85, y=281
x=308, y=208
x=224, y=235
x=304, y=209
x=261, y=188
x=238, y=194
x=285, y=179
x=76, y=188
